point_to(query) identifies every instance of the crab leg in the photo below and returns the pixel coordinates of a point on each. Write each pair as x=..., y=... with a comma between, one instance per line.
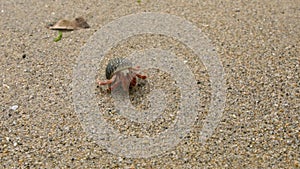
x=133, y=82
x=107, y=81
x=141, y=76
x=137, y=68
x=132, y=79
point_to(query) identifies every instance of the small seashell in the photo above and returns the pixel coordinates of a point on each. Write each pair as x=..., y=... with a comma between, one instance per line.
x=78, y=23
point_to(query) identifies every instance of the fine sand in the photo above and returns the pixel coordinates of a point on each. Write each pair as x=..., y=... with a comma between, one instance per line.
x=257, y=42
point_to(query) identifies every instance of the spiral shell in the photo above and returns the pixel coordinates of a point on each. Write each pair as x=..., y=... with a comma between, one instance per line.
x=115, y=65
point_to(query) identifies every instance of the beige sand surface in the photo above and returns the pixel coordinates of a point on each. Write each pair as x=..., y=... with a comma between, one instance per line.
x=258, y=44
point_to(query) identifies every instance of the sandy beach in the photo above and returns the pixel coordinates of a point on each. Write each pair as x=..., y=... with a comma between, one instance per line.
x=258, y=46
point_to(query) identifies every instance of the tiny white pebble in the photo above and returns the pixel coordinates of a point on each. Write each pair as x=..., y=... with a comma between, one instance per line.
x=5, y=85
x=120, y=159
x=14, y=107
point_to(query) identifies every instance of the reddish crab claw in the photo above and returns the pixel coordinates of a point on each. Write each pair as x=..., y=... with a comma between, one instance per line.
x=121, y=71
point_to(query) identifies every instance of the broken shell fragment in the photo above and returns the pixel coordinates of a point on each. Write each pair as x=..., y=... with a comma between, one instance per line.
x=78, y=23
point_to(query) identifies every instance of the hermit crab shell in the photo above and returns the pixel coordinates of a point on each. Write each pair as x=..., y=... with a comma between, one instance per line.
x=115, y=65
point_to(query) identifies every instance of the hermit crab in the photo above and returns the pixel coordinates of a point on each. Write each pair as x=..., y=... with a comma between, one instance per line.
x=120, y=71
